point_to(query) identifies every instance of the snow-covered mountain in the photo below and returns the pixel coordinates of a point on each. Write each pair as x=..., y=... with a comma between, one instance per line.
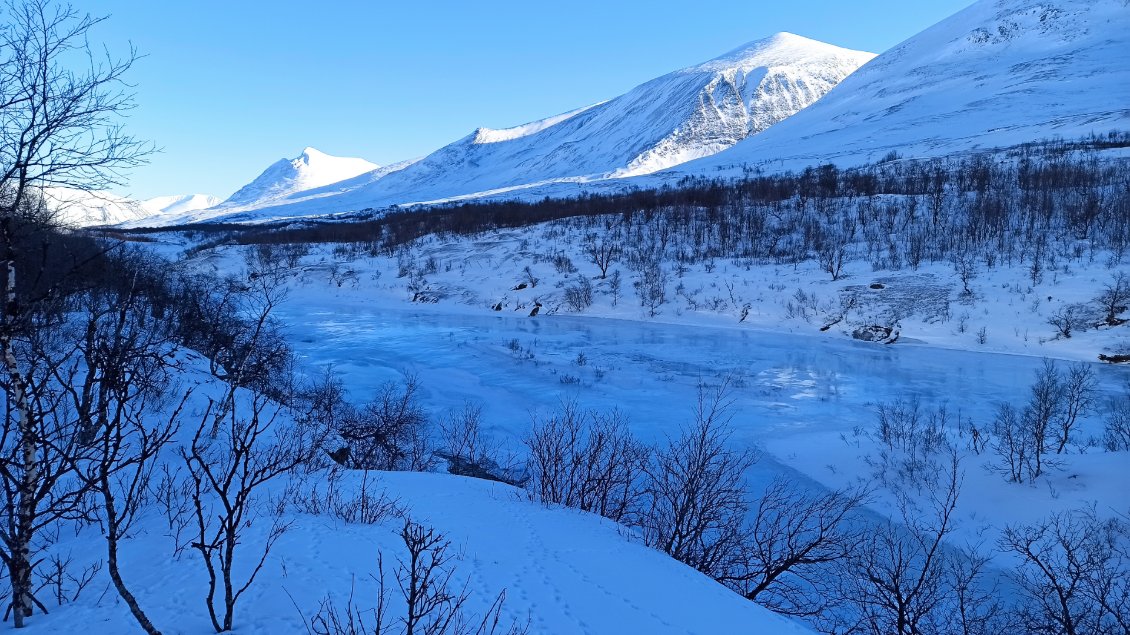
x=684, y=115
x=304, y=177
x=179, y=204
x=82, y=208
x=309, y=170
x=688, y=114
x=996, y=74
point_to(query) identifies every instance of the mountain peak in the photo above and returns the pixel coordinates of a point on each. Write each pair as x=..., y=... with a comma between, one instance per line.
x=310, y=153
x=311, y=169
x=781, y=49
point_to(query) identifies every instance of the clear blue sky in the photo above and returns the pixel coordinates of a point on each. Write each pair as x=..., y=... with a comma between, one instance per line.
x=227, y=87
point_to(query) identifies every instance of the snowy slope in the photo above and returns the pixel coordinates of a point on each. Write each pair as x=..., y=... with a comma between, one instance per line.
x=998, y=73
x=684, y=115
x=565, y=571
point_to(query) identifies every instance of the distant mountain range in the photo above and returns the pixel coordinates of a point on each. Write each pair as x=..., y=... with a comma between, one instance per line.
x=80, y=208
x=684, y=115
x=996, y=74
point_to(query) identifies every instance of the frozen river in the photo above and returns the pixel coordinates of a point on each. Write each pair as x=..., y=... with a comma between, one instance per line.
x=784, y=383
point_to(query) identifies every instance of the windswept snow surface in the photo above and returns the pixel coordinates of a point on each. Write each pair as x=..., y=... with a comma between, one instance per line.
x=684, y=115
x=998, y=73
x=491, y=135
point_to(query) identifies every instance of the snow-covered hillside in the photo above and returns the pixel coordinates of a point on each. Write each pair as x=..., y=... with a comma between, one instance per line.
x=999, y=73
x=684, y=115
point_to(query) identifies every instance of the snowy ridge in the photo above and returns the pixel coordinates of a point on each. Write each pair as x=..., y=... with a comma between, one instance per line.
x=492, y=135
x=776, y=78
x=999, y=73
x=684, y=115
x=996, y=74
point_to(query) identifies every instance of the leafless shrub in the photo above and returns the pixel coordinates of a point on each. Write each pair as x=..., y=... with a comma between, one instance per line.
x=434, y=602
x=651, y=287
x=1072, y=318
x=914, y=437
x=58, y=574
x=615, y=287
x=1057, y=400
x=1116, y=435
x=325, y=494
x=832, y=256
x=172, y=494
x=330, y=619
x=1114, y=299
x=901, y=579
x=530, y=277
x=586, y=460
x=903, y=425
x=229, y=461
x=1075, y=576
x=802, y=305
x=389, y=432
x=1012, y=443
x=1077, y=394
x=578, y=296
x=470, y=452
x=696, y=501
x=601, y=251
x=794, y=540
x=563, y=264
